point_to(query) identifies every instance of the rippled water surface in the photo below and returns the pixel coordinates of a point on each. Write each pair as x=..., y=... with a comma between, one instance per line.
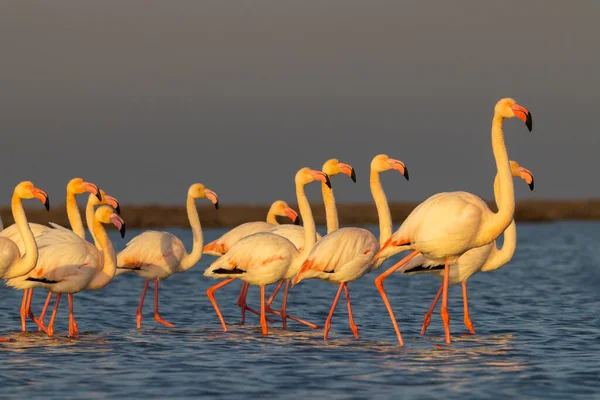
x=537, y=324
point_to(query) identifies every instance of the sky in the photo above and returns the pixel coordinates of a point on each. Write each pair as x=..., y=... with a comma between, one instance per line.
x=147, y=97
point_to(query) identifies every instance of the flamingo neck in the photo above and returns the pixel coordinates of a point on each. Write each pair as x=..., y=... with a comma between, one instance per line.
x=330, y=209
x=74, y=216
x=191, y=259
x=383, y=208
x=27, y=263
x=104, y=276
x=307, y=219
x=89, y=219
x=499, y=221
x=271, y=218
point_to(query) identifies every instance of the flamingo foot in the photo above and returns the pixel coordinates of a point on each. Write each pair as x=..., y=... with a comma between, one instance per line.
x=5, y=340
x=159, y=319
x=288, y=316
x=426, y=322
x=469, y=325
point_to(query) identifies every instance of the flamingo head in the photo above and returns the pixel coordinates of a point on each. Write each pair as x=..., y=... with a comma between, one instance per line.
x=334, y=166
x=107, y=215
x=26, y=190
x=508, y=108
x=106, y=199
x=382, y=162
x=199, y=191
x=523, y=173
x=281, y=209
x=79, y=186
x=306, y=175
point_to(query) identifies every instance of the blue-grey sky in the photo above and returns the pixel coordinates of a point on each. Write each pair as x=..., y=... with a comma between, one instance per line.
x=146, y=97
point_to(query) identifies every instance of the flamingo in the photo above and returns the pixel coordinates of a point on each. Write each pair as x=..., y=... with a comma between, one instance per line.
x=12, y=264
x=221, y=245
x=74, y=187
x=484, y=258
x=157, y=255
x=265, y=258
x=448, y=224
x=93, y=201
x=345, y=255
x=295, y=234
x=69, y=264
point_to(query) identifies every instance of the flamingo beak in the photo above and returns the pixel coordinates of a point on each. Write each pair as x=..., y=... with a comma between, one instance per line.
x=291, y=214
x=212, y=196
x=111, y=201
x=321, y=176
x=118, y=223
x=527, y=176
x=348, y=170
x=399, y=166
x=42, y=196
x=93, y=189
x=523, y=114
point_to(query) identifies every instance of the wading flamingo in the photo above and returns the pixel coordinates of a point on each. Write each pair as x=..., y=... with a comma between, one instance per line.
x=448, y=224
x=157, y=255
x=484, y=258
x=93, y=201
x=74, y=187
x=265, y=258
x=295, y=234
x=69, y=264
x=221, y=245
x=346, y=254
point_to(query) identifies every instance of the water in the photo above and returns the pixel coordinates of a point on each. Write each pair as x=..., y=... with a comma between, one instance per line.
x=537, y=324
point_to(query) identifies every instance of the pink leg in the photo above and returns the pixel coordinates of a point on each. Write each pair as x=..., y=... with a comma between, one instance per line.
x=328, y=321
x=274, y=294
x=468, y=322
x=350, y=318
x=244, y=306
x=287, y=316
x=379, y=284
x=138, y=314
x=73, y=330
x=24, y=311
x=210, y=292
x=51, y=324
x=284, y=303
x=43, y=313
x=444, y=311
x=427, y=318
x=157, y=316
x=263, y=319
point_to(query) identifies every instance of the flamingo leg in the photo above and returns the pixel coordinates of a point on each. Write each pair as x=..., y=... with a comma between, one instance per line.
x=274, y=294
x=244, y=306
x=210, y=292
x=284, y=307
x=427, y=318
x=444, y=311
x=328, y=321
x=30, y=314
x=73, y=329
x=284, y=303
x=263, y=319
x=350, y=317
x=468, y=322
x=50, y=328
x=24, y=311
x=43, y=313
x=379, y=284
x=138, y=314
x=157, y=316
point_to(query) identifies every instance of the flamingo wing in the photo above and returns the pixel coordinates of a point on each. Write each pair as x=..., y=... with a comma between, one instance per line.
x=293, y=233
x=222, y=245
x=150, y=250
x=12, y=233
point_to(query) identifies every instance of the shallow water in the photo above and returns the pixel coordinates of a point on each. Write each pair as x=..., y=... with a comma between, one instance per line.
x=537, y=324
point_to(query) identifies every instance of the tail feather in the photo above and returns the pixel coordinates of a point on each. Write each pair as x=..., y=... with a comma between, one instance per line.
x=214, y=248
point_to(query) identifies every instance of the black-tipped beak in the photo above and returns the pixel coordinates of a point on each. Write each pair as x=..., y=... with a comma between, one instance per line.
x=217, y=204
x=529, y=122
x=47, y=203
x=531, y=185
x=298, y=220
x=122, y=231
x=406, y=172
x=118, y=209
x=98, y=194
x=353, y=176
x=327, y=180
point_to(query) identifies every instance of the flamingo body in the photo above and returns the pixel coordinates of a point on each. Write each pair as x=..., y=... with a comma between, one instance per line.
x=222, y=245
x=293, y=233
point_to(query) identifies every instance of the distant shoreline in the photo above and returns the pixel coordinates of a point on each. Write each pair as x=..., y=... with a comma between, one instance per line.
x=164, y=216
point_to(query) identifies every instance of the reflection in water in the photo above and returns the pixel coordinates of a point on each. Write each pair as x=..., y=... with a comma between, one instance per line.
x=536, y=320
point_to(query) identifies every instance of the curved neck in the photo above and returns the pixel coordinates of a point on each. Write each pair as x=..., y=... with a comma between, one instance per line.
x=330, y=209
x=89, y=220
x=383, y=208
x=499, y=221
x=104, y=276
x=271, y=218
x=307, y=220
x=74, y=216
x=26, y=264
x=189, y=260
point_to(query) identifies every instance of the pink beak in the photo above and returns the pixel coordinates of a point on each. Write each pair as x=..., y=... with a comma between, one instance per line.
x=212, y=196
x=93, y=189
